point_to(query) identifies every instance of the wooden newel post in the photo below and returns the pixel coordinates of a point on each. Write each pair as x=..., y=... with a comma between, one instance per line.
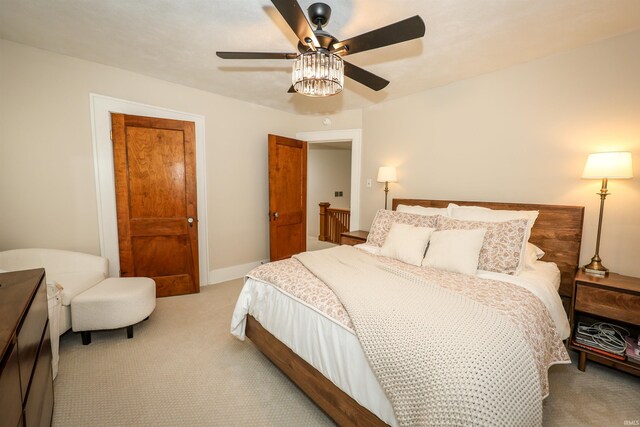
x=324, y=221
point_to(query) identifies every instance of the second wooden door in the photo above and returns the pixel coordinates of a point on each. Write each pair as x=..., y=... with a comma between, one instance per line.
x=287, y=196
x=155, y=178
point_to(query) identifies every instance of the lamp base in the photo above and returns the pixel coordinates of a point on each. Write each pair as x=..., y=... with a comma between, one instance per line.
x=595, y=267
x=386, y=193
x=598, y=273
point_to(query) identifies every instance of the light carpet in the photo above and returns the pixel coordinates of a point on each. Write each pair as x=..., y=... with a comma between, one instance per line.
x=183, y=368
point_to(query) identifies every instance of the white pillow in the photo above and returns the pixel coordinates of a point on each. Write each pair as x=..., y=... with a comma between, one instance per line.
x=421, y=210
x=479, y=213
x=533, y=254
x=455, y=250
x=452, y=206
x=406, y=243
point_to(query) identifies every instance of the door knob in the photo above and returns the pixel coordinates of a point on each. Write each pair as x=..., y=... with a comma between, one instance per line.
x=190, y=221
x=275, y=215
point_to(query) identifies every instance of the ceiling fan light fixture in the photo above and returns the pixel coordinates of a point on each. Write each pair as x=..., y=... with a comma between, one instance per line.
x=318, y=73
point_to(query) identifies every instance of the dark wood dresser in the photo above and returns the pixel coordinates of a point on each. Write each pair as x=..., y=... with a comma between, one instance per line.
x=26, y=383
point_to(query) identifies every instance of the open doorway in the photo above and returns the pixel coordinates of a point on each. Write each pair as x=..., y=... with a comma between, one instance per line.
x=328, y=192
x=355, y=137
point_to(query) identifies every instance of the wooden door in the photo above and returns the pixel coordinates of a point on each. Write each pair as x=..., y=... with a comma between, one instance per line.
x=155, y=180
x=287, y=196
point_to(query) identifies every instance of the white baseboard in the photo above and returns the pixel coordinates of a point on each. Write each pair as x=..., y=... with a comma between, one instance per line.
x=234, y=272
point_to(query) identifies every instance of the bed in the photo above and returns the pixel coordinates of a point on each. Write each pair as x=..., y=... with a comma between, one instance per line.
x=324, y=358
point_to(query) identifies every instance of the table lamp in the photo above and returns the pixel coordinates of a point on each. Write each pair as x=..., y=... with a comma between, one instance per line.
x=387, y=174
x=605, y=166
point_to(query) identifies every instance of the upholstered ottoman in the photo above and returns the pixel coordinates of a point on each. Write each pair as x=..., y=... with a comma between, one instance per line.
x=111, y=304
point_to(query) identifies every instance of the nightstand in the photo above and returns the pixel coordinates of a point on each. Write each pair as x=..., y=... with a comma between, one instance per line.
x=353, y=237
x=614, y=299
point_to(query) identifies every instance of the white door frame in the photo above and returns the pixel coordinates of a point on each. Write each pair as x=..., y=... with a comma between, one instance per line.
x=101, y=107
x=355, y=136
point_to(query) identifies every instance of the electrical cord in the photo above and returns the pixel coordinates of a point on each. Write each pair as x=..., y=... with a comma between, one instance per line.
x=607, y=336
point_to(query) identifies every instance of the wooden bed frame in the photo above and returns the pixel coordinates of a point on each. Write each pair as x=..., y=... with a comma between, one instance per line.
x=557, y=231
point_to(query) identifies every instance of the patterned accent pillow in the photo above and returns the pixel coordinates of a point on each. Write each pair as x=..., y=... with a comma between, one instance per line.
x=502, y=244
x=384, y=218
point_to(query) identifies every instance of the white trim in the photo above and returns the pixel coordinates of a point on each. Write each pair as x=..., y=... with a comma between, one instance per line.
x=355, y=136
x=101, y=107
x=220, y=275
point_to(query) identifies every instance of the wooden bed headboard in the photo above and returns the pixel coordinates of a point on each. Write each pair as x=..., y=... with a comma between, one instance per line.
x=557, y=231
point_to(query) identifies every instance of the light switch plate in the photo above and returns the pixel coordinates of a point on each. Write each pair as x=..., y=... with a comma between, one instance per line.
x=369, y=183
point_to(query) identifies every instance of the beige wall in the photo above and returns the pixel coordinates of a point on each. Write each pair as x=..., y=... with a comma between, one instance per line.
x=46, y=159
x=328, y=171
x=521, y=135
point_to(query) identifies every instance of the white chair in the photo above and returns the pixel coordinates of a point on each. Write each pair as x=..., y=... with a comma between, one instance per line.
x=74, y=271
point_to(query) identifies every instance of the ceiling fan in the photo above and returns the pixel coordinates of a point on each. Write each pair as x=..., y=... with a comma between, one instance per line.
x=319, y=69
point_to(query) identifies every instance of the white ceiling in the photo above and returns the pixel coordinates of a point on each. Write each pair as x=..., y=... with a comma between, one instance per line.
x=176, y=40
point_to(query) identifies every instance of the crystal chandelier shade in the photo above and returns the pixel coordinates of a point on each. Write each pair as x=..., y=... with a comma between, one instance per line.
x=318, y=73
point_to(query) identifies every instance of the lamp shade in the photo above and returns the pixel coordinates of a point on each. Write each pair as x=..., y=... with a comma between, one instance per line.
x=613, y=165
x=387, y=174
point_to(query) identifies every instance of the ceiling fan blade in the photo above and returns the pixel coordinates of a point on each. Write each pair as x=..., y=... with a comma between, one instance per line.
x=256, y=55
x=293, y=14
x=401, y=31
x=363, y=76
x=291, y=90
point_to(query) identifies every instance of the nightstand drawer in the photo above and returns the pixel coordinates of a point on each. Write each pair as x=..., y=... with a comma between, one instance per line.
x=611, y=304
